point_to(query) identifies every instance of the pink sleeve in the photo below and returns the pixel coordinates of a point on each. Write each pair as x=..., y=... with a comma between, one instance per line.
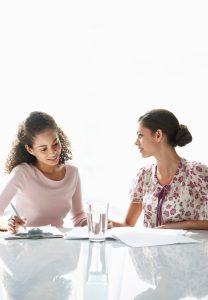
x=10, y=189
x=77, y=212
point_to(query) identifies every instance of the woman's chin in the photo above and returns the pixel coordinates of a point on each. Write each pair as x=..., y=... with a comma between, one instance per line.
x=53, y=162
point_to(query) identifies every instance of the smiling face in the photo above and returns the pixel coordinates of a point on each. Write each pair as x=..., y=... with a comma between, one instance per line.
x=46, y=148
x=147, y=140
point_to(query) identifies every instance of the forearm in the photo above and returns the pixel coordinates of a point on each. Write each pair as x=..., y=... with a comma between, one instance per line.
x=118, y=224
x=112, y=224
x=132, y=216
x=187, y=225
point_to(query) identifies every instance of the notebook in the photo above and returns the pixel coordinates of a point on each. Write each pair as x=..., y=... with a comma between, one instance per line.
x=136, y=237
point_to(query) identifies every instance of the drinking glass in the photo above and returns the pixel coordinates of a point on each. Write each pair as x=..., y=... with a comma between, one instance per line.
x=97, y=219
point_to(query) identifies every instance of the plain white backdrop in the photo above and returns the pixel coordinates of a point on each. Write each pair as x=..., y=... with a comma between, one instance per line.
x=96, y=66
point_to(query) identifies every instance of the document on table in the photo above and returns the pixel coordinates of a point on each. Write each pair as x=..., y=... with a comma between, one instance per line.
x=137, y=237
x=42, y=232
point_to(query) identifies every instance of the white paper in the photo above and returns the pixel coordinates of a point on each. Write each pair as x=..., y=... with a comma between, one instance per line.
x=135, y=237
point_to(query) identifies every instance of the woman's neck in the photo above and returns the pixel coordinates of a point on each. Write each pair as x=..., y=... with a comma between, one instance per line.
x=167, y=167
x=52, y=172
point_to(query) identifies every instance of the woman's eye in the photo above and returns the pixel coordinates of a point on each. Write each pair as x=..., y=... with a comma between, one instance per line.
x=43, y=150
x=55, y=145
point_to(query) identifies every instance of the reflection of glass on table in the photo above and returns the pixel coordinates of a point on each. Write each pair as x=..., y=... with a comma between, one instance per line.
x=96, y=280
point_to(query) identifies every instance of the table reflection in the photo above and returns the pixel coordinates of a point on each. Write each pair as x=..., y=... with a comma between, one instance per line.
x=58, y=269
x=29, y=270
x=96, y=277
x=173, y=272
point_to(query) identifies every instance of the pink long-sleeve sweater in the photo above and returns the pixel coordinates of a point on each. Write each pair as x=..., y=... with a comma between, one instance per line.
x=41, y=200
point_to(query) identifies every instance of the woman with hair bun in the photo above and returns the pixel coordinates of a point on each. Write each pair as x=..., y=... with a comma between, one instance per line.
x=173, y=192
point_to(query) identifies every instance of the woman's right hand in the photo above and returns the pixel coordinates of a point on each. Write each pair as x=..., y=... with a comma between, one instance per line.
x=14, y=223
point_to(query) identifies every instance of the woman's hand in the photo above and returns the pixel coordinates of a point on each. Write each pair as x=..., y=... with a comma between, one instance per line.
x=110, y=224
x=14, y=223
x=187, y=225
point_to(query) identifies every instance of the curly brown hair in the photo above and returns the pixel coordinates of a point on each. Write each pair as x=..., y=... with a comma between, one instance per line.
x=36, y=123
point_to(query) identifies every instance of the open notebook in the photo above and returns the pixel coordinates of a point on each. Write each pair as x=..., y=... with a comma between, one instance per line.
x=137, y=237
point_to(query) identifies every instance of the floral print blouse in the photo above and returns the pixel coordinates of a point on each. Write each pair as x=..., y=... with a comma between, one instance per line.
x=185, y=198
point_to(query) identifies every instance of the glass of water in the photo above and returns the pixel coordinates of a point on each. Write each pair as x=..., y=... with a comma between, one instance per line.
x=97, y=219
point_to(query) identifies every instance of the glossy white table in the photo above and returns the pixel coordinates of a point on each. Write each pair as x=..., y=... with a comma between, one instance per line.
x=58, y=269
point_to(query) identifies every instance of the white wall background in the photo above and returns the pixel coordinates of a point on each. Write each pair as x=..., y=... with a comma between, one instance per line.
x=96, y=66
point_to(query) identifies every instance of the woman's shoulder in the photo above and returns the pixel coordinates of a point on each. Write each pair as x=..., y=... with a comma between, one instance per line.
x=194, y=166
x=20, y=172
x=22, y=168
x=147, y=170
x=70, y=166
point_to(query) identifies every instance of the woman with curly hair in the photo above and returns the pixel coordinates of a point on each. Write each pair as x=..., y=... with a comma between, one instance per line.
x=172, y=192
x=45, y=185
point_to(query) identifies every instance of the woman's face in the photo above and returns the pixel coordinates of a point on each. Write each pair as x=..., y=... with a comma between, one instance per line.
x=46, y=147
x=147, y=141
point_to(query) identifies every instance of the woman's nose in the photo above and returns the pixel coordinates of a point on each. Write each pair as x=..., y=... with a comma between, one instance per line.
x=52, y=151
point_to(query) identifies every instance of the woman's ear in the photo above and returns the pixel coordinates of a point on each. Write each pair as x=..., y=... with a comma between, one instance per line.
x=159, y=134
x=29, y=150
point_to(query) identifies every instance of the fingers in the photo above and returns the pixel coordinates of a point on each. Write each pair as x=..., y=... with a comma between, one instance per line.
x=14, y=223
x=110, y=224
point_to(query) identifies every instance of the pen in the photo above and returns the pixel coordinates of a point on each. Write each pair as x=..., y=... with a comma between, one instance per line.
x=17, y=214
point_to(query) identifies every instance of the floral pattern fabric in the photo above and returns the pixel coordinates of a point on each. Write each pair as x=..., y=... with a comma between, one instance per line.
x=186, y=197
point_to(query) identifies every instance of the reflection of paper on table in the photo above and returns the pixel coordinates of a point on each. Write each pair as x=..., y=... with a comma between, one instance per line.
x=135, y=237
